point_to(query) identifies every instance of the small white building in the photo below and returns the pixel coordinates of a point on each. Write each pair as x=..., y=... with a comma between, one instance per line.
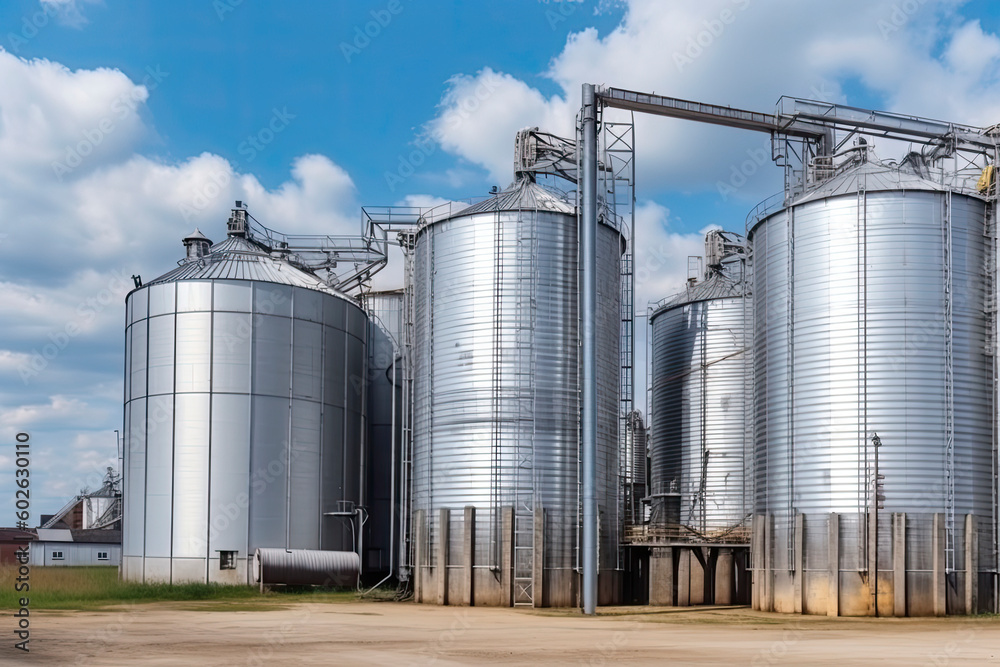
x=61, y=547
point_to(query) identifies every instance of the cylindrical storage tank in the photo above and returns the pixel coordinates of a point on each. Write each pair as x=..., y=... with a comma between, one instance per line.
x=244, y=415
x=385, y=432
x=872, y=315
x=700, y=485
x=305, y=567
x=497, y=401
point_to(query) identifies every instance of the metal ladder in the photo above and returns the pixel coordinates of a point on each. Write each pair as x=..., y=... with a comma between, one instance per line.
x=990, y=309
x=407, y=241
x=525, y=252
x=496, y=435
x=949, y=381
x=864, y=462
x=617, y=180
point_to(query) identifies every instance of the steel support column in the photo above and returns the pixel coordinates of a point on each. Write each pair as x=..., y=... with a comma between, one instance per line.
x=588, y=307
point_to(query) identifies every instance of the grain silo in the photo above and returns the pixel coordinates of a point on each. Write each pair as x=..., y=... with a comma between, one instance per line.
x=386, y=410
x=700, y=485
x=497, y=405
x=874, y=407
x=244, y=412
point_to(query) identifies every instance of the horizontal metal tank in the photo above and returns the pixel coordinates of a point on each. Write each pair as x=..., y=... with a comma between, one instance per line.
x=872, y=316
x=700, y=484
x=497, y=399
x=244, y=413
x=305, y=567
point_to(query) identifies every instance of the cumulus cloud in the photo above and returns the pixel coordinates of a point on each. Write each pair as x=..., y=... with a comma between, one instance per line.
x=479, y=116
x=68, y=12
x=737, y=53
x=56, y=122
x=59, y=409
x=68, y=138
x=661, y=253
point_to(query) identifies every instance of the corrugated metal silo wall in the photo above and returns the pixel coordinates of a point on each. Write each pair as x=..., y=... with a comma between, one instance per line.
x=699, y=369
x=850, y=339
x=244, y=422
x=496, y=367
x=384, y=433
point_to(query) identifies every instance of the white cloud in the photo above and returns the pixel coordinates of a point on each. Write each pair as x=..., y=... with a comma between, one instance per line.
x=320, y=199
x=661, y=254
x=59, y=122
x=59, y=410
x=68, y=12
x=10, y=361
x=480, y=115
x=69, y=239
x=77, y=235
x=423, y=201
x=738, y=53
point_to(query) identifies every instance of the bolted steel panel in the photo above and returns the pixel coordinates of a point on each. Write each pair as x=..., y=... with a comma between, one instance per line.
x=698, y=429
x=496, y=369
x=244, y=417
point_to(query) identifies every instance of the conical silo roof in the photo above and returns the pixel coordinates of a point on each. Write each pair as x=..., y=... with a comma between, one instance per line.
x=239, y=258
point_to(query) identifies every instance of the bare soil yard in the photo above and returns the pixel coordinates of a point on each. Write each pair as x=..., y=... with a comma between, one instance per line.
x=387, y=633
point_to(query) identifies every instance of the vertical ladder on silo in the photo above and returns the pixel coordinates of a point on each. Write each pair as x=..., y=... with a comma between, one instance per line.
x=525, y=247
x=990, y=309
x=626, y=436
x=497, y=416
x=949, y=414
x=864, y=457
x=407, y=241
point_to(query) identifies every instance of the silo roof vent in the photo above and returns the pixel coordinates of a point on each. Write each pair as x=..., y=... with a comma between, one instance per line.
x=197, y=245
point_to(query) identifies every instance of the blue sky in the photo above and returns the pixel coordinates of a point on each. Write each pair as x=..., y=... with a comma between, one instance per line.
x=124, y=125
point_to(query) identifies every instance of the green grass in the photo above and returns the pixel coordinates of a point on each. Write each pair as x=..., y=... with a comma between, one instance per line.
x=96, y=587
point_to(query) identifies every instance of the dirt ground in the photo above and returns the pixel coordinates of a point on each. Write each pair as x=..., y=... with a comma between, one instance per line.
x=387, y=633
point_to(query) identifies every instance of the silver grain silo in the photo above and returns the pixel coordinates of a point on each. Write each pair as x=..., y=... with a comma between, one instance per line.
x=497, y=406
x=699, y=368
x=872, y=317
x=700, y=485
x=244, y=413
x=385, y=432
